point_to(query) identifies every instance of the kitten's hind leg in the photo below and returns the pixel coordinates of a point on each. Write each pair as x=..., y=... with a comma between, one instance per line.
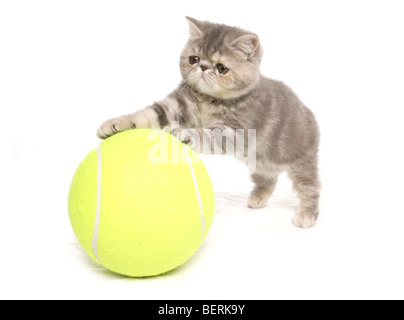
x=307, y=185
x=264, y=187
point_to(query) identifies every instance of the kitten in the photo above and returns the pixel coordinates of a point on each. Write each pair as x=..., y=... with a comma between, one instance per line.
x=223, y=88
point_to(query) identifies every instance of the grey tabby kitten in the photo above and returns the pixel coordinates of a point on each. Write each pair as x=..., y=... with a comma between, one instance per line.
x=223, y=88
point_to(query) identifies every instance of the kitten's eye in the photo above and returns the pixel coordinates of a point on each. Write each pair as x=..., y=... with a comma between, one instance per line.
x=222, y=68
x=194, y=59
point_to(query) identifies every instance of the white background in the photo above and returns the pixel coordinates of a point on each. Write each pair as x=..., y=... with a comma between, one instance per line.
x=66, y=66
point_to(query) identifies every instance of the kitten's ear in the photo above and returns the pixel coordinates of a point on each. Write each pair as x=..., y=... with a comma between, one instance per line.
x=248, y=44
x=195, y=27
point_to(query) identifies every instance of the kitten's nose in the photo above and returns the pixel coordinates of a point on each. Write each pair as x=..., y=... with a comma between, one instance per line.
x=204, y=68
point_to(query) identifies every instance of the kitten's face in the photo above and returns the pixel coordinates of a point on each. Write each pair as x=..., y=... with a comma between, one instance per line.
x=220, y=61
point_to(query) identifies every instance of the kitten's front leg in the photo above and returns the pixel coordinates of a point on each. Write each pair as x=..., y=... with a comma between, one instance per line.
x=265, y=183
x=183, y=134
x=141, y=119
x=219, y=139
x=158, y=115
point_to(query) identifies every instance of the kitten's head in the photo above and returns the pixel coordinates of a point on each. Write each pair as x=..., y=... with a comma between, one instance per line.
x=220, y=61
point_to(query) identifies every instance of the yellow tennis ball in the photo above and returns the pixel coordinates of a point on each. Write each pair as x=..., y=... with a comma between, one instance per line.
x=141, y=203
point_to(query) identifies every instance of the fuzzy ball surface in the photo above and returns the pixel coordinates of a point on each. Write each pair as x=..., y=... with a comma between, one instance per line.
x=141, y=203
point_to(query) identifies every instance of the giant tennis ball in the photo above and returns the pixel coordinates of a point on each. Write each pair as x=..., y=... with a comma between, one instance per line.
x=141, y=203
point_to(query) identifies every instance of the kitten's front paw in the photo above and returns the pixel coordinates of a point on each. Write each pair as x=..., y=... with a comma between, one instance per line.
x=112, y=126
x=259, y=196
x=256, y=202
x=184, y=135
x=304, y=220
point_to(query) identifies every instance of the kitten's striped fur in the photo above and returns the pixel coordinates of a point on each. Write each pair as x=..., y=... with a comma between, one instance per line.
x=286, y=131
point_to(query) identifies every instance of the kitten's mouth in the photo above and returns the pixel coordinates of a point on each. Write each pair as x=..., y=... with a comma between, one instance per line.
x=204, y=83
x=203, y=77
x=206, y=78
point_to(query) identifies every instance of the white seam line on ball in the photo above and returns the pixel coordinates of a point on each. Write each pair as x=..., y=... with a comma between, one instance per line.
x=98, y=209
x=198, y=195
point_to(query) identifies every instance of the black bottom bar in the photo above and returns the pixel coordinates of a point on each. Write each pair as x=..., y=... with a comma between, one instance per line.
x=202, y=309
